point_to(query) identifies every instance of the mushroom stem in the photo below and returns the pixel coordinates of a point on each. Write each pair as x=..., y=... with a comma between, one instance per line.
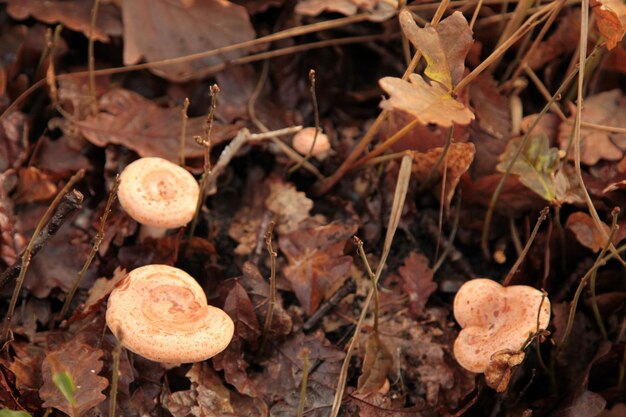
x=146, y=231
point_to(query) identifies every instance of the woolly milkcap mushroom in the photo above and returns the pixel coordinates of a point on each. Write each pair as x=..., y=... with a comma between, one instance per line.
x=158, y=194
x=161, y=313
x=494, y=318
x=303, y=140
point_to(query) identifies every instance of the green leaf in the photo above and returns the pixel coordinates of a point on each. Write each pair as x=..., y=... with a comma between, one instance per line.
x=5, y=412
x=535, y=166
x=64, y=382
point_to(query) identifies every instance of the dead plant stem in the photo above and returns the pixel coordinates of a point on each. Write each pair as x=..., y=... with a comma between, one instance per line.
x=94, y=249
x=272, y=295
x=183, y=132
x=90, y=58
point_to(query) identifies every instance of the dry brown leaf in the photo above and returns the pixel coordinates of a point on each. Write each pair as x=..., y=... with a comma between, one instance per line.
x=429, y=103
x=606, y=108
x=586, y=231
x=377, y=362
x=72, y=14
x=610, y=20
x=102, y=287
x=128, y=119
x=317, y=265
x=379, y=8
x=491, y=107
x=245, y=227
x=170, y=31
x=291, y=206
x=498, y=372
x=417, y=281
x=458, y=159
x=83, y=363
x=444, y=46
x=33, y=185
x=207, y=397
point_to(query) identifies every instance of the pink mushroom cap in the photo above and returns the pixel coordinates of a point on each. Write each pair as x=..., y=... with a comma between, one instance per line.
x=494, y=318
x=161, y=313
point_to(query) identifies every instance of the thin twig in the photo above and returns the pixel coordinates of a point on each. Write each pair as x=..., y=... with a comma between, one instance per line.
x=94, y=249
x=520, y=258
x=183, y=132
x=90, y=58
x=316, y=112
x=272, y=296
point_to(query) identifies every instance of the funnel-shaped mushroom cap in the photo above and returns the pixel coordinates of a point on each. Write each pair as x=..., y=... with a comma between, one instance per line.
x=303, y=140
x=494, y=318
x=161, y=313
x=156, y=192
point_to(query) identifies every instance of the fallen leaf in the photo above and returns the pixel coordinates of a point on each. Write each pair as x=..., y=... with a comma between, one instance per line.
x=291, y=206
x=72, y=14
x=606, y=108
x=83, y=363
x=457, y=161
x=58, y=262
x=377, y=362
x=618, y=410
x=33, y=185
x=427, y=102
x=417, y=281
x=102, y=287
x=13, y=129
x=172, y=31
x=380, y=9
x=245, y=227
x=491, y=107
x=317, y=265
x=586, y=231
x=207, y=397
x=239, y=308
x=282, y=370
x=610, y=20
x=443, y=46
x=318, y=401
x=498, y=372
x=128, y=119
x=567, y=187
x=535, y=166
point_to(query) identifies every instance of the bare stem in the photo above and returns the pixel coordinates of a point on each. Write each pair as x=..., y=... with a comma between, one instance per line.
x=90, y=60
x=272, y=296
x=183, y=132
x=317, y=124
x=94, y=249
x=520, y=258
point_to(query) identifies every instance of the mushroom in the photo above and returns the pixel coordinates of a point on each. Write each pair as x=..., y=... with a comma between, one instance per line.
x=158, y=194
x=161, y=313
x=494, y=318
x=303, y=141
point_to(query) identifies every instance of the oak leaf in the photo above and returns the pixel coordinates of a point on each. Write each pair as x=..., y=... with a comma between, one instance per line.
x=610, y=20
x=606, y=108
x=444, y=46
x=171, y=31
x=291, y=206
x=417, y=281
x=427, y=102
x=317, y=265
x=128, y=119
x=457, y=161
x=73, y=14
x=586, y=231
x=83, y=363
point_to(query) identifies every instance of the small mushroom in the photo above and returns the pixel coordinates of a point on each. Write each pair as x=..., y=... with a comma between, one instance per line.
x=303, y=140
x=161, y=313
x=495, y=318
x=158, y=194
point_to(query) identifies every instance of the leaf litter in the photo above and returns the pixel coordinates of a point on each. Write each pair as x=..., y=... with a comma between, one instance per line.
x=455, y=118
